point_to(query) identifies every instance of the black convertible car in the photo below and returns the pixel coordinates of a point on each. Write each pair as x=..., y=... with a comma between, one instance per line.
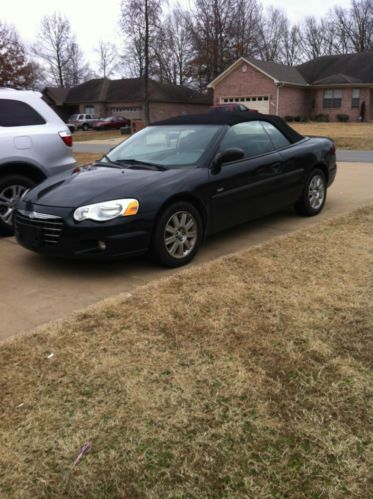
x=174, y=183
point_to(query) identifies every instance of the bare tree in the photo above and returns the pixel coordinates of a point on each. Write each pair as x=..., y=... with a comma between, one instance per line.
x=245, y=29
x=55, y=46
x=77, y=70
x=211, y=27
x=173, y=48
x=107, y=58
x=313, y=38
x=58, y=49
x=139, y=21
x=291, y=53
x=354, y=26
x=15, y=69
x=272, y=30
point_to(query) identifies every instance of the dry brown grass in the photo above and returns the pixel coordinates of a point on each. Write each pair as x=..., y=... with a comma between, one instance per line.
x=346, y=135
x=83, y=158
x=97, y=135
x=246, y=377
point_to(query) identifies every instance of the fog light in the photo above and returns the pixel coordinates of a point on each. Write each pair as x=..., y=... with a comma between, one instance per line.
x=102, y=245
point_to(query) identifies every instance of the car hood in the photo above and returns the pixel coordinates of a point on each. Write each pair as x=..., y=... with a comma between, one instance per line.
x=95, y=184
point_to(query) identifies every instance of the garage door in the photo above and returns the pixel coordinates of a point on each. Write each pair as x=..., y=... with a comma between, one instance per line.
x=258, y=102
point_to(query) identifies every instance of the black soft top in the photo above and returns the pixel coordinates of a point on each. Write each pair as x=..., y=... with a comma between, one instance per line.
x=232, y=118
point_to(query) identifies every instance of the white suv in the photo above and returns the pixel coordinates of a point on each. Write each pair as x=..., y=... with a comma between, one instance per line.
x=34, y=144
x=83, y=121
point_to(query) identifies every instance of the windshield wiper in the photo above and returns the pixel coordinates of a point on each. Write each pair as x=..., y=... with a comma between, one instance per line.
x=117, y=166
x=135, y=162
x=111, y=161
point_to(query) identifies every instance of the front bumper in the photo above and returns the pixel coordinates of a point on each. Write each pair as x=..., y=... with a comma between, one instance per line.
x=53, y=232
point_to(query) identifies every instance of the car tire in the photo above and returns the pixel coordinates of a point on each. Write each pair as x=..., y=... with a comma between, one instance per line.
x=177, y=235
x=11, y=189
x=85, y=127
x=314, y=194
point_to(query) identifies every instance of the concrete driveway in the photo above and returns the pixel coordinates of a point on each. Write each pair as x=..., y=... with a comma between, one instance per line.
x=35, y=290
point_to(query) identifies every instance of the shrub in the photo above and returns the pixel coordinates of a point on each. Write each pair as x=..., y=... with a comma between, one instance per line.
x=343, y=117
x=303, y=119
x=322, y=117
x=289, y=118
x=297, y=119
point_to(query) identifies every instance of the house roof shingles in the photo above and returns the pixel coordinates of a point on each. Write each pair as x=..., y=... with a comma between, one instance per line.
x=130, y=90
x=56, y=94
x=280, y=72
x=339, y=69
x=345, y=69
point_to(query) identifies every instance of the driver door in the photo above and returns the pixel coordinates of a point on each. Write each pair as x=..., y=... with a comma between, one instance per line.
x=247, y=188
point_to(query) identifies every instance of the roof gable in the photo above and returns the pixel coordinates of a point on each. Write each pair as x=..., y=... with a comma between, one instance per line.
x=279, y=73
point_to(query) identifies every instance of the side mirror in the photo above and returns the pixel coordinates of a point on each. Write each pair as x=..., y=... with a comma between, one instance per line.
x=232, y=154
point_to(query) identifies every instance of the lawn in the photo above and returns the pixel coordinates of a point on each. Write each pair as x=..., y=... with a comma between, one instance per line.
x=97, y=135
x=249, y=376
x=346, y=135
x=83, y=158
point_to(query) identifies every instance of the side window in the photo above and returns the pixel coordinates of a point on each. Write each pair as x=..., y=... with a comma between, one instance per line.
x=81, y=117
x=278, y=138
x=88, y=117
x=17, y=113
x=250, y=137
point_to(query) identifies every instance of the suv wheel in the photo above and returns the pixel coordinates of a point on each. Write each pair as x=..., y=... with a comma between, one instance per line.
x=11, y=189
x=177, y=235
x=314, y=195
x=85, y=127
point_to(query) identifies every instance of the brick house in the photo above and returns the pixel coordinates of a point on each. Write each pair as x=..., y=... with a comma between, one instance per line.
x=125, y=97
x=332, y=85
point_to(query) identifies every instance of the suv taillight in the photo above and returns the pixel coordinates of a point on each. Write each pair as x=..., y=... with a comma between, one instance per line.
x=67, y=138
x=333, y=149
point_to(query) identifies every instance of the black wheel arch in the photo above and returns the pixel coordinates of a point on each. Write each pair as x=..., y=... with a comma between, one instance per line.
x=323, y=167
x=189, y=198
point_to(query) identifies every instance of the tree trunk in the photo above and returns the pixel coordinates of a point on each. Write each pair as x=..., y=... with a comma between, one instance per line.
x=146, y=69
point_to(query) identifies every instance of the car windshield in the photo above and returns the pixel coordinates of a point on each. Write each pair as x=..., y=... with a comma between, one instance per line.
x=168, y=145
x=108, y=119
x=73, y=117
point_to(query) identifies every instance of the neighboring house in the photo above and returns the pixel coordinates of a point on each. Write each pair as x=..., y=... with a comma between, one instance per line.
x=125, y=97
x=332, y=85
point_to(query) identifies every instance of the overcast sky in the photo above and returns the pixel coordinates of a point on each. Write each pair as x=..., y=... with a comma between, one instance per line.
x=92, y=20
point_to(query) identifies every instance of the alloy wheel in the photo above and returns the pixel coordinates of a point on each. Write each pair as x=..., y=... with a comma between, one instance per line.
x=316, y=192
x=180, y=234
x=9, y=197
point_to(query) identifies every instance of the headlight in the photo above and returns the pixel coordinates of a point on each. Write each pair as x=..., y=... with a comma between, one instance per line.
x=101, y=212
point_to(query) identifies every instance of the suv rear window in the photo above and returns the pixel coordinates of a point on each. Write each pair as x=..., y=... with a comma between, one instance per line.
x=17, y=113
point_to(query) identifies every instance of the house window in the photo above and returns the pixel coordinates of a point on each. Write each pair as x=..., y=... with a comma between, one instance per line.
x=355, y=101
x=332, y=99
x=89, y=109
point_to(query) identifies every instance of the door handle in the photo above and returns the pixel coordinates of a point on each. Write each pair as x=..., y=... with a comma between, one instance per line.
x=276, y=167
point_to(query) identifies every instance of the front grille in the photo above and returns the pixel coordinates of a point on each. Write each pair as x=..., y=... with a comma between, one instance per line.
x=46, y=229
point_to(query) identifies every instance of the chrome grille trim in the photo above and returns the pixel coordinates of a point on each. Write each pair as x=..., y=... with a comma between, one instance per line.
x=49, y=227
x=38, y=216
